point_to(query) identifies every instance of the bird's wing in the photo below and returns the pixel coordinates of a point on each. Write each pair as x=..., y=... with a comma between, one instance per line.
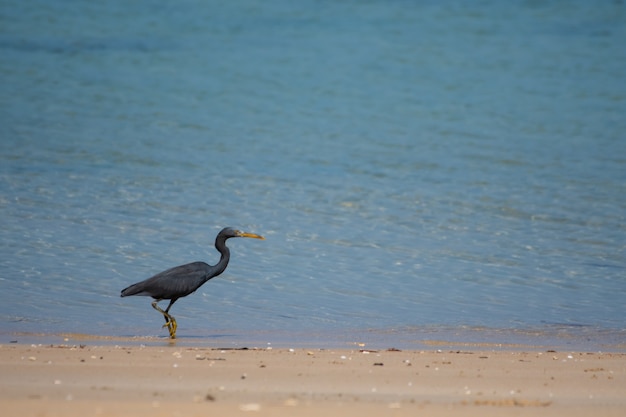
x=175, y=282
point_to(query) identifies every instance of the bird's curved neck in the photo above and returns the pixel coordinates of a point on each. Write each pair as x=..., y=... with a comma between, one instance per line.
x=220, y=245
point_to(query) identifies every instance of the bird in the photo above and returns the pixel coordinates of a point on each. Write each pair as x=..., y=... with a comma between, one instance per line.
x=182, y=280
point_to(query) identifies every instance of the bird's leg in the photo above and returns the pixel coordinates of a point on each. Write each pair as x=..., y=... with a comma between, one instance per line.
x=172, y=325
x=170, y=322
x=160, y=310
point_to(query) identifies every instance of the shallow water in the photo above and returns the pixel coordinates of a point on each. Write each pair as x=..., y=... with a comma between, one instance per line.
x=414, y=166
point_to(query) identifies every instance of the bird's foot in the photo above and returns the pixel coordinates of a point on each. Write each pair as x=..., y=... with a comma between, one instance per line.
x=171, y=326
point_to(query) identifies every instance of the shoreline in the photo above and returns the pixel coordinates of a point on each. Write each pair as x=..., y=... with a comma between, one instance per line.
x=467, y=338
x=95, y=379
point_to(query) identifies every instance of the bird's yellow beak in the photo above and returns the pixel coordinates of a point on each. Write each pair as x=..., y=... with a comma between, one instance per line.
x=252, y=235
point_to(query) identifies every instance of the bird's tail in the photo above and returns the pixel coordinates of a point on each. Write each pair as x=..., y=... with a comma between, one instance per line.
x=134, y=289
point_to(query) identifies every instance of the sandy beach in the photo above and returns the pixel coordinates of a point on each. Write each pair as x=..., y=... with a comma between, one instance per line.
x=170, y=380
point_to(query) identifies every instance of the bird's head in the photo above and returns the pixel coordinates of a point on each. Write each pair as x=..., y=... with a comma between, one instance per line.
x=229, y=232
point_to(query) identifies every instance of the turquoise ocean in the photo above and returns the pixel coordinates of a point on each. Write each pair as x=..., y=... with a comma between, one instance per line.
x=421, y=170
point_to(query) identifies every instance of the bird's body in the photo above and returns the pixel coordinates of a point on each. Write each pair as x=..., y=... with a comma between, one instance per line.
x=183, y=280
x=176, y=282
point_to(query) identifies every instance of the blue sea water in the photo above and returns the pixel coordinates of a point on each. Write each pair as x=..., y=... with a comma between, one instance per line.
x=421, y=170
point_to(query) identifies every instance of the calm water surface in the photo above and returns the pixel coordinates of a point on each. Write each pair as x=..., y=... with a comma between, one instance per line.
x=421, y=170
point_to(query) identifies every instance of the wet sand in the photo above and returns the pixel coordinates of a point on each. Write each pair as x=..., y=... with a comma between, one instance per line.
x=170, y=380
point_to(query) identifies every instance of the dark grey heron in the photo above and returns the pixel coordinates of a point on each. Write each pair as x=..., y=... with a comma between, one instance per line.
x=183, y=280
